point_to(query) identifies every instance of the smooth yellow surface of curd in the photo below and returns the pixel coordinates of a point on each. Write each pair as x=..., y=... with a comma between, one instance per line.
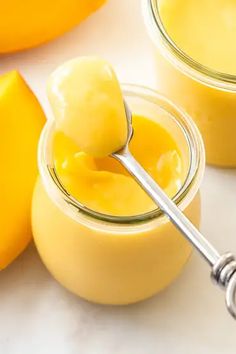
x=205, y=31
x=104, y=185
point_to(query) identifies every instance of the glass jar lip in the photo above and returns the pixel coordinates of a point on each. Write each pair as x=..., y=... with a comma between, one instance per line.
x=179, y=58
x=194, y=176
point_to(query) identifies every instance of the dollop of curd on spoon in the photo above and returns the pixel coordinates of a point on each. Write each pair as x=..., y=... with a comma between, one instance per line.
x=87, y=103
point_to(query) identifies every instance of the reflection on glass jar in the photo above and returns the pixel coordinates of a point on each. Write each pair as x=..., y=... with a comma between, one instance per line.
x=209, y=96
x=117, y=259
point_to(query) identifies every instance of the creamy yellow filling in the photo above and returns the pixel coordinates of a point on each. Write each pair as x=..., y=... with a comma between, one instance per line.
x=90, y=119
x=105, y=186
x=203, y=29
x=87, y=103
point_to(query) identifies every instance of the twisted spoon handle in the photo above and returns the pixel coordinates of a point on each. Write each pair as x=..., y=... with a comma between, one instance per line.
x=223, y=267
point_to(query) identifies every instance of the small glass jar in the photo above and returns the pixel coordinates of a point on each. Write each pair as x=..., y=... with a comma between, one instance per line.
x=109, y=259
x=208, y=96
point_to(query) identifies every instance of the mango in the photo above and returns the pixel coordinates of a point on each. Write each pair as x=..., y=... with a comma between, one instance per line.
x=25, y=24
x=21, y=121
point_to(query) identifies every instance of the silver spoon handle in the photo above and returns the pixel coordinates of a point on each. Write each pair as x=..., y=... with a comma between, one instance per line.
x=220, y=264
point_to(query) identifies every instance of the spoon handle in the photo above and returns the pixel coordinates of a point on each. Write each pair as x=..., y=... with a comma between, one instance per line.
x=223, y=267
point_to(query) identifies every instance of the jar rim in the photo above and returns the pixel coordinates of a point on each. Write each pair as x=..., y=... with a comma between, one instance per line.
x=178, y=57
x=193, y=179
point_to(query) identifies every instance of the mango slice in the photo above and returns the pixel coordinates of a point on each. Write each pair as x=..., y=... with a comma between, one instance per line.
x=21, y=121
x=29, y=23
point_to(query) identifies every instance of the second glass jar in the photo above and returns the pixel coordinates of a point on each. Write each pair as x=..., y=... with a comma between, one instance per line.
x=209, y=97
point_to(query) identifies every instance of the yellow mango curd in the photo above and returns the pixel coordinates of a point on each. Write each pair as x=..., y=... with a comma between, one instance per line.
x=96, y=230
x=87, y=102
x=196, y=66
x=203, y=29
x=104, y=185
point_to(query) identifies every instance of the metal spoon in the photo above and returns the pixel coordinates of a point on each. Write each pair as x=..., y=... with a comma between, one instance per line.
x=223, y=267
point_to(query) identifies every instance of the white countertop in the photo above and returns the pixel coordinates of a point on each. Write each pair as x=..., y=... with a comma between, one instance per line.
x=38, y=316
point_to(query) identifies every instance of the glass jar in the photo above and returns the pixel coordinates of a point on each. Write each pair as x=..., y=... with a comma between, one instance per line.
x=208, y=96
x=109, y=259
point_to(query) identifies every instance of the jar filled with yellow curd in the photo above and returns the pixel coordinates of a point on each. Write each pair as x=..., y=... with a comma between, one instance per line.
x=96, y=231
x=195, y=51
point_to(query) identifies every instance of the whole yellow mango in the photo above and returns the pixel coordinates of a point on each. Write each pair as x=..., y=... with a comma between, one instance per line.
x=25, y=24
x=21, y=121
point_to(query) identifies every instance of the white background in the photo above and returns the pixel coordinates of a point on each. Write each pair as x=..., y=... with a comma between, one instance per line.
x=38, y=316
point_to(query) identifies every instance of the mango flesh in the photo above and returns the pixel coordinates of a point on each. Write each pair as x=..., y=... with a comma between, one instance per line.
x=25, y=24
x=21, y=121
x=88, y=106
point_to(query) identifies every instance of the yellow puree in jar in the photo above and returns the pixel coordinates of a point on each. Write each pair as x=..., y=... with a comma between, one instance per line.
x=108, y=263
x=104, y=185
x=91, y=124
x=203, y=29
